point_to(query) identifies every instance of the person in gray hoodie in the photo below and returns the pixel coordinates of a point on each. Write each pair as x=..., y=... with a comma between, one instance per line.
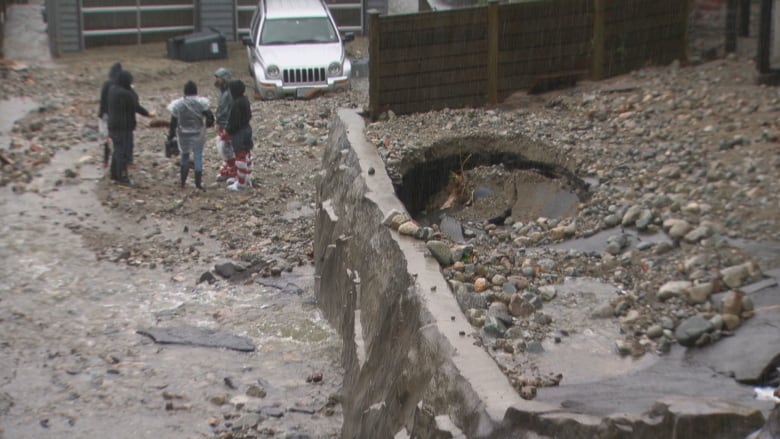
x=224, y=146
x=190, y=116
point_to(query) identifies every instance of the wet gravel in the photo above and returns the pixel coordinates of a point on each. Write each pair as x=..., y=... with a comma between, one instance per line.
x=682, y=164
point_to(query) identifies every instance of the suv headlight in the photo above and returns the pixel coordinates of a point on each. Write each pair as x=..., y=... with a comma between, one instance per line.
x=272, y=72
x=334, y=69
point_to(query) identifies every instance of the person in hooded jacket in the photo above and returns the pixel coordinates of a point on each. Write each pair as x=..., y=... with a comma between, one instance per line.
x=113, y=73
x=224, y=147
x=190, y=116
x=122, y=107
x=239, y=132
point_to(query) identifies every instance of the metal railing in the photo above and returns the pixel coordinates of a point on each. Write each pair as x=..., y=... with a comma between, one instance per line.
x=242, y=31
x=139, y=29
x=346, y=7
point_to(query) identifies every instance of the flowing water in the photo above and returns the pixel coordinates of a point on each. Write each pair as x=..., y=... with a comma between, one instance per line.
x=72, y=363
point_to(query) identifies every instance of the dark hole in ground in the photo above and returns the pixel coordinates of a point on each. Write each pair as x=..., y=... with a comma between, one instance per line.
x=477, y=186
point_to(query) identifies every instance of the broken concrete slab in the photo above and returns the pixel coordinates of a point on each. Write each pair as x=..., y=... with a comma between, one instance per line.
x=194, y=336
x=754, y=350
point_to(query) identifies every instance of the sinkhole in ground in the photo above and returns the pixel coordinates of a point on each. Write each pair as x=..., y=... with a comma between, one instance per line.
x=480, y=179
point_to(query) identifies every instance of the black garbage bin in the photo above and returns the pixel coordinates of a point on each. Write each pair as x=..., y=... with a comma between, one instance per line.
x=197, y=46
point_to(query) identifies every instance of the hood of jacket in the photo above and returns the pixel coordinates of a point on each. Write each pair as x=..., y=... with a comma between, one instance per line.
x=124, y=79
x=237, y=88
x=113, y=73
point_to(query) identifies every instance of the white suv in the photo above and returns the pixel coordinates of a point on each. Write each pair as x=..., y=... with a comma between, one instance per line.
x=294, y=48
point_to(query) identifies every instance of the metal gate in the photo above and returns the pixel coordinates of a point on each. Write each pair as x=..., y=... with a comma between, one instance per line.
x=244, y=11
x=113, y=22
x=117, y=22
x=348, y=14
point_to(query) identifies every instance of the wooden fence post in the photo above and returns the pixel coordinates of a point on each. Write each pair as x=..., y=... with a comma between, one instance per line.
x=138, y=23
x=687, y=31
x=731, y=25
x=373, y=64
x=744, y=18
x=599, y=20
x=492, y=52
x=764, y=38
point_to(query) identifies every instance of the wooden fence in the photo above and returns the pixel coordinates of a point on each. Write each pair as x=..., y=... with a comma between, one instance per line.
x=477, y=56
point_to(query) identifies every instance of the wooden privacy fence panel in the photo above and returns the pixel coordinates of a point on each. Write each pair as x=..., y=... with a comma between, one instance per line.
x=476, y=56
x=641, y=32
x=428, y=61
x=541, y=42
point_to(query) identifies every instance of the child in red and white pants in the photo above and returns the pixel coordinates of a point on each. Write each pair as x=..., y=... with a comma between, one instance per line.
x=239, y=132
x=244, y=168
x=225, y=150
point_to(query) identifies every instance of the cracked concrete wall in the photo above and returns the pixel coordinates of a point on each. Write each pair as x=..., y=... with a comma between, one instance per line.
x=394, y=355
x=409, y=370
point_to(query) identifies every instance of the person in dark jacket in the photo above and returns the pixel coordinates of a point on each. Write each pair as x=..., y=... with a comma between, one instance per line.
x=122, y=107
x=239, y=132
x=190, y=116
x=113, y=73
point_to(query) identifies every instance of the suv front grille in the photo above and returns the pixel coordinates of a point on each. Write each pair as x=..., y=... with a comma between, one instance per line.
x=312, y=75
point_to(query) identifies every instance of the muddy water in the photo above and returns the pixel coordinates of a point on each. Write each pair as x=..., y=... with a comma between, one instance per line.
x=73, y=365
x=25, y=35
x=9, y=108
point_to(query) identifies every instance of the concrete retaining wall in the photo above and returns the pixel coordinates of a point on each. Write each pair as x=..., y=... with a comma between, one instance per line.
x=411, y=370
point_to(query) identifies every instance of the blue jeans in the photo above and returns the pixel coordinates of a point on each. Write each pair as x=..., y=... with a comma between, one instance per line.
x=197, y=152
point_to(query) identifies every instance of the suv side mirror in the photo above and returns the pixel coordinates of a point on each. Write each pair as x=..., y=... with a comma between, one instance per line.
x=247, y=41
x=348, y=36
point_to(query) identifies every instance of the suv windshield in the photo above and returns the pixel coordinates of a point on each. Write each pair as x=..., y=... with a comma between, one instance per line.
x=298, y=30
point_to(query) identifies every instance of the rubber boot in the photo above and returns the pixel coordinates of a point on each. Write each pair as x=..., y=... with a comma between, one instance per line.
x=106, y=154
x=124, y=178
x=199, y=180
x=183, y=174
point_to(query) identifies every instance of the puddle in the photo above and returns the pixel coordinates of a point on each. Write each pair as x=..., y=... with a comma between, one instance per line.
x=12, y=110
x=482, y=177
x=493, y=193
x=767, y=252
x=598, y=242
x=549, y=199
x=587, y=353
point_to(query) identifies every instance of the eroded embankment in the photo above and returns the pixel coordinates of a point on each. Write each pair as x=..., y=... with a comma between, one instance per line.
x=411, y=368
